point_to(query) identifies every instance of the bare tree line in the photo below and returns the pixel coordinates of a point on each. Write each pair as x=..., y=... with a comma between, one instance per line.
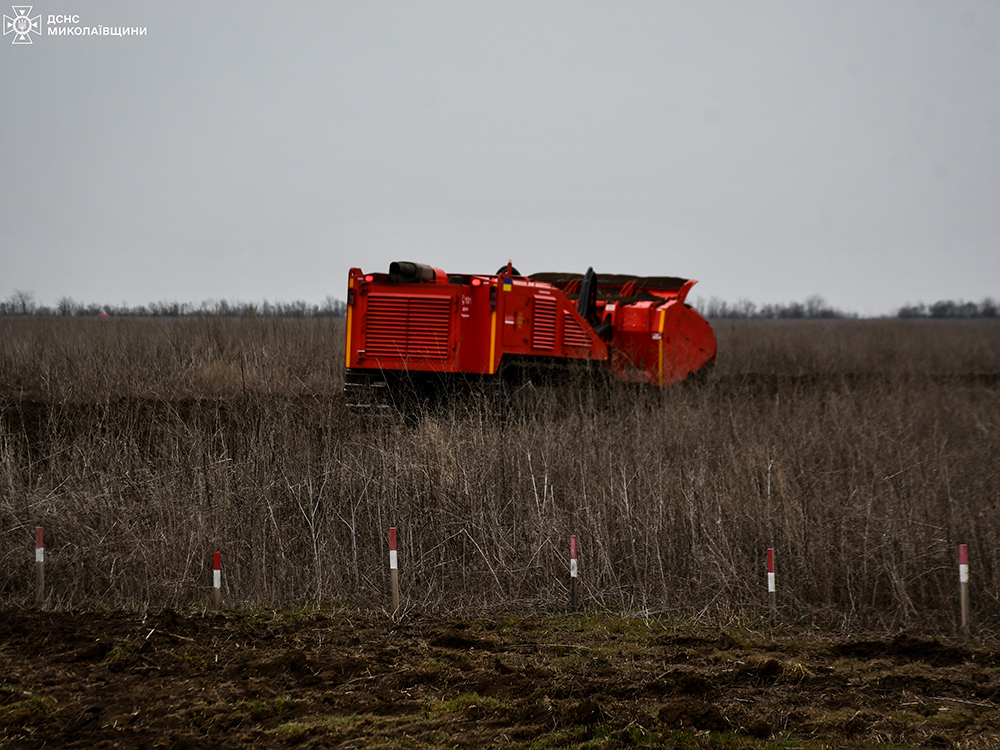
x=813, y=308
x=988, y=308
x=23, y=303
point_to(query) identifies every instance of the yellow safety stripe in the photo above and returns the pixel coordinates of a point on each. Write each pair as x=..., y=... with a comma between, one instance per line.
x=347, y=352
x=663, y=317
x=493, y=341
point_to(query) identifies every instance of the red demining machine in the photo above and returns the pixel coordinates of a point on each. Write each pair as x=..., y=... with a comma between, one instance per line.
x=418, y=330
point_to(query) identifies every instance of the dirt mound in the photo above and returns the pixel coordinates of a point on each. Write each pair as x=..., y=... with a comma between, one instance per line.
x=326, y=679
x=689, y=712
x=905, y=647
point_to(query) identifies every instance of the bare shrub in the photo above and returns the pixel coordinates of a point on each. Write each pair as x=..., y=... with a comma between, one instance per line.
x=863, y=451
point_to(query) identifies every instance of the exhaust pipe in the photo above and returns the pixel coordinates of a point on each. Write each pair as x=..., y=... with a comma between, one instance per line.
x=403, y=272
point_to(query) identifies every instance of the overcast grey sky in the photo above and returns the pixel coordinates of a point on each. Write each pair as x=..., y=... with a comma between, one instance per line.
x=252, y=151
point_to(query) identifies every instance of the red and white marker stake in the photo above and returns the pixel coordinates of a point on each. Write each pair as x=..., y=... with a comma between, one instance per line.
x=963, y=579
x=217, y=580
x=771, y=590
x=39, y=566
x=394, y=570
x=573, y=585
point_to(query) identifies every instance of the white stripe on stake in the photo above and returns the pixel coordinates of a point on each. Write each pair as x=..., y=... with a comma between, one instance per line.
x=217, y=580
x=573, y=582
x=963, y=580
x=39, y=566
x=394, y=570
x=771, y=592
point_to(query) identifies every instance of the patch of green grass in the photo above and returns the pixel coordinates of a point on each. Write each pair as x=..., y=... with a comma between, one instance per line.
x=467, y=702
x=349, y=722
x=952, y=717
x=333, y=721
x=291, y=730
x=259, y=709
x=572, y=737
x=628, y=626
x=121, y=651
x=598, y=738
x=21, y=712
x=195, y=657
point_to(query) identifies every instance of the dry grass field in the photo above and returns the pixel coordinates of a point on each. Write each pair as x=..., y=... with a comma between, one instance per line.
x=863, y=451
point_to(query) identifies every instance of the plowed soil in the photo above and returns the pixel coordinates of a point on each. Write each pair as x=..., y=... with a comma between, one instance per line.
x=350, y=679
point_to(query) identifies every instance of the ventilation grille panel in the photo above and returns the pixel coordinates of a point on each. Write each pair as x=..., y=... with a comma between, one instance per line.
x=543, y=324
x=573, y=334
x=408, y=327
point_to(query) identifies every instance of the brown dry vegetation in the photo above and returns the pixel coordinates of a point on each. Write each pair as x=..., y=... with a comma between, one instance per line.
x=864, y=451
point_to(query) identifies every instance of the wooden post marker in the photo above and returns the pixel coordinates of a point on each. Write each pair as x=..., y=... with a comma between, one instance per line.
x=39, y=566
x=394, y=570
x=217, y=580
x=963, y=580
x=772, y=595
x=574, y=601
